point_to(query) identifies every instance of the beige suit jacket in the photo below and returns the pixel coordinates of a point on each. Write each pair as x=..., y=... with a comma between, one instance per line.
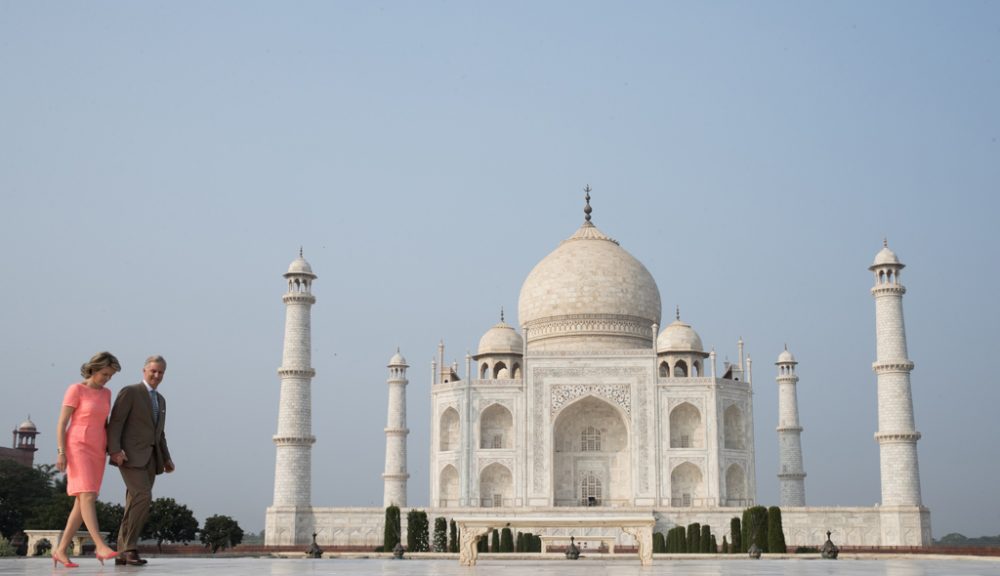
x=131, y=428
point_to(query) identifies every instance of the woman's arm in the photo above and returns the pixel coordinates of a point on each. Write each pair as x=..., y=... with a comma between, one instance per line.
x=64, y=416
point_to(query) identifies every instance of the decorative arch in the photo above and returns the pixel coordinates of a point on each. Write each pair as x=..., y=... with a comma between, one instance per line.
x=448, y=494
x=591, y=444
x=496, y=485
x=736, y=485
x=687, y=430
x=496, y=427
x=448, y=431
x=664, y=369
x=680, y=369
x=500, y=371
x=484, y=371
x=686, y=485
x=516, y=374
x=734, y=428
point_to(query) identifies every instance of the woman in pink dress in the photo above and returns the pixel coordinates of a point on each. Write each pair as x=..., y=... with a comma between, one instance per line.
x=82, y=445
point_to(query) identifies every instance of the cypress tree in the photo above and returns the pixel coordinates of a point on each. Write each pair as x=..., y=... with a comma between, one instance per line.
x=706, y=539
x=755, y=524
x=495, y=541
x=506, y=540
x=483, y=544
x=519, y=542
x=735, y=532
x=694, y=538
x=682, y=545
x=725, y=545
x=745, y=532
x=390, y=534
x=775, y=532
x=440, y=534
x=453, y=537
x=659, y=544
x=714, y=545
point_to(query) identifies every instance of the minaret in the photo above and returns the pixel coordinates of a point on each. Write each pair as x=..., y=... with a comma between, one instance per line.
x=791, y=476
x=395, y=474
x=294, y=440
x=897, y=437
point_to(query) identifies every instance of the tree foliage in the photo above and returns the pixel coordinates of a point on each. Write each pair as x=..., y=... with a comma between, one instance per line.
x=452, y=537
x=694, y=538
x=495, y=541
x=659, y=543
x=506, y=540
x=170, y=522
x=221, y=532
x=22, y=489
x=393, y=528
x=109, y=517
x=440, y=534
x=755, y=528
x=417, y=531
x=706, y=539
x=736, y=533
x=775, y=532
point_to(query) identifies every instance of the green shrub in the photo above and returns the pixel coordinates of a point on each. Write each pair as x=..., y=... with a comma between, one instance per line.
x=453, y=537
x=706, y=539
x=392, y=530
x=725, y=545
x=506, y=540
x=736, y=533
x=6, y=548
x=775, y=532
x=694, y=538
x=440, y=535
x=659, y=543
x=495, y=541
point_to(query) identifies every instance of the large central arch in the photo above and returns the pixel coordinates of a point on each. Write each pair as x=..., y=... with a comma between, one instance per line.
x=591, y=460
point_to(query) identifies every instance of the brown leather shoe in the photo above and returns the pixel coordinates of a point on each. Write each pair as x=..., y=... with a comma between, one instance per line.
x=129, y=558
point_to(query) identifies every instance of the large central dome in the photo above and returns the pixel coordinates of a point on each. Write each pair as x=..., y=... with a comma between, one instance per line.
x=589, y=294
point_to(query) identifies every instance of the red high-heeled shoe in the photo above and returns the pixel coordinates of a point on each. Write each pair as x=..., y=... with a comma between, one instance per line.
x=67, y=562
x=109, y=556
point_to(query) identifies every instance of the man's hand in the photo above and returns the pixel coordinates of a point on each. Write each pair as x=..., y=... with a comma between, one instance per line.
x=168, y=466
x=119, y=458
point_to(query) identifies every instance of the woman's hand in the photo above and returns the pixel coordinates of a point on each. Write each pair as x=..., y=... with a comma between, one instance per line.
x=61, y=462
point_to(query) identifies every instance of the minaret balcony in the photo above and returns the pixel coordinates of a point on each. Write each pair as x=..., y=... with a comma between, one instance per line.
x=892, y=366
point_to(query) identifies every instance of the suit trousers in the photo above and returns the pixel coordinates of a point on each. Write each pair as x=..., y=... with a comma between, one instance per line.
x=138, y=498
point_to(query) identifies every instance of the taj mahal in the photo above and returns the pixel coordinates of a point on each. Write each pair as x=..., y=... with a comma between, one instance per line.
x=589, y=416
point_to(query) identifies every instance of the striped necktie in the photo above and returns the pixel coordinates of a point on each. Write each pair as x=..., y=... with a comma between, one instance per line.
x=156, y=405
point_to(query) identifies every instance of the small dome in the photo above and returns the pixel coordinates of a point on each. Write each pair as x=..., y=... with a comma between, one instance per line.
x=786, y=358
x=679, y=337
x=299, y=267
x=886, y=257
x=501, y=339
x=397, y=359
x=27, y=426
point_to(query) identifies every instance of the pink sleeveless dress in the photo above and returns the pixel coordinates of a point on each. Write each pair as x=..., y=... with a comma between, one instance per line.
x=86, y=438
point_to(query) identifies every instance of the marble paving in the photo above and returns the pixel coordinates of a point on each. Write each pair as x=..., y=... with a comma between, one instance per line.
x=936, y=566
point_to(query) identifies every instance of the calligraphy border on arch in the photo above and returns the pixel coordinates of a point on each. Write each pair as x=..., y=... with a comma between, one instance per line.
x=563, y=394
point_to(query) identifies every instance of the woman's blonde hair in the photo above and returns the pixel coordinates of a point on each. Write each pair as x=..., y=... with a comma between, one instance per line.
x=99, y=362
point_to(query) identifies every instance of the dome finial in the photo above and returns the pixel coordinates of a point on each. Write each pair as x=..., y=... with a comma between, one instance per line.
x=587, y=209
x=678, y=313
x=501, y=314
x=300, y=251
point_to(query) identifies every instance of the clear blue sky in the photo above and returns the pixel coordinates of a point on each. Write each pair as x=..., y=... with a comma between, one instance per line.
x=162, y=163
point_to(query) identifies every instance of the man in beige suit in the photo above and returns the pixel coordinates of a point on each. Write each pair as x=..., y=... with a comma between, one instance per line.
x=138, y=448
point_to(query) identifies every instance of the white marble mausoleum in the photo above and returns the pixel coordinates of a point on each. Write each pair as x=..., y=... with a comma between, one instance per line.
x=588, y=406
